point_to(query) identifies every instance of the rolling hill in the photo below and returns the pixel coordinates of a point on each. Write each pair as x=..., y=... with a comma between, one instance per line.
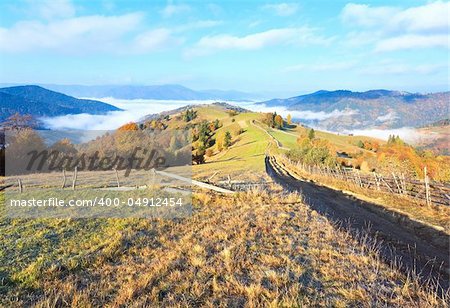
x=347, y=110
x=40, y=102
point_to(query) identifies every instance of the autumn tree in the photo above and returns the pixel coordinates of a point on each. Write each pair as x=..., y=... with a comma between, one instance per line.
x=198, y=156
x=269, y=119
x=131, y=126
x=227, y=140
x=313, y=152
x=289, y=119
x=278, y=121
x=18, y=121
x=19, y=151
x=209, y=152
x=64, y=146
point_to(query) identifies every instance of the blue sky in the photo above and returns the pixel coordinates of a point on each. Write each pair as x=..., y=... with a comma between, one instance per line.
x=279, y=47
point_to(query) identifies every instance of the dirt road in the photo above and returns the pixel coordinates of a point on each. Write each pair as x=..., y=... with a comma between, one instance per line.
x=397, y=243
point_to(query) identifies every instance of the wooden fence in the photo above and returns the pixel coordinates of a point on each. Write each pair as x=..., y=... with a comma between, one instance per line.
x=243, y=186
x=426, y=191
x=104, y=179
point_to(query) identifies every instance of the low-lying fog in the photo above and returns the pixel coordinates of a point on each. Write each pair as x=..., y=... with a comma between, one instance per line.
x=135, y=110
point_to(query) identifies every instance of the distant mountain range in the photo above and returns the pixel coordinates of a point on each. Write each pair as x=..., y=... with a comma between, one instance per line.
x=346, y=110
x=157, y=92
x=340, y=110
x=38, y=102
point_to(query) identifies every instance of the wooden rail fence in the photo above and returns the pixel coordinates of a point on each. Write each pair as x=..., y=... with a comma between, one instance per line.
x=243, y=186
x=426, y=191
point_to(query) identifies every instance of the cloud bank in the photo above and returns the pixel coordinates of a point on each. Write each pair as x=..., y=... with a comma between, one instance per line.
x=134, y=110
x=303, y=114
x=273, y=37
x=408, y=134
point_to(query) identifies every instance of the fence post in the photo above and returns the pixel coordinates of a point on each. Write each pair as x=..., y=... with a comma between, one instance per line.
x=211, y=177
x=376, y=181
x=427, y=187
x=403, y=180
x=64, y=179
x=396, y=183
x=74, y=179
x=152, y=178
x=117, y=178
x=359, y=178
x=20, y=185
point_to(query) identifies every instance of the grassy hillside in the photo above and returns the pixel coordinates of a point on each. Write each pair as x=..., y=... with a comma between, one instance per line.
x=245, y=156
x=254, y=249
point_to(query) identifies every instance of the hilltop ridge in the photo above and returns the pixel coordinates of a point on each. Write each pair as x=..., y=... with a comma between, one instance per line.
x=41, y=102
x=347, y=110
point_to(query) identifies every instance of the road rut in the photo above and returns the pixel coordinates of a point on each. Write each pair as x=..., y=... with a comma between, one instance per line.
x=398, y=243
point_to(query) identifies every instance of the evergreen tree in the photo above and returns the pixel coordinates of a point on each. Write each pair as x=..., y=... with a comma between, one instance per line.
x=216, y=124
x=311, y=134
x=360, y=144
x=227, y=140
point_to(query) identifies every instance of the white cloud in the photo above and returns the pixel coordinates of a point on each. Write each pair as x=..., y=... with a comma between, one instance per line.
x=282, y=9
x=50, y=9
x=303, y=114
x=321, y=115
x=174, y=9
x=408, y=134
x=365, y=15
x=433, y=16
x=93, y=32
x=273, y=37
x=429, y=17
x=394, y=28
x=134, y=110
x=87, y=34
x=413, y=41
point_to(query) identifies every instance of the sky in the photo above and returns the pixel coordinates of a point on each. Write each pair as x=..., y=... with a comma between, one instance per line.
x=279, y=47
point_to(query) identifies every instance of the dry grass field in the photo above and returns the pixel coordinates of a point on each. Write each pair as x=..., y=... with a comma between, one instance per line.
x=253, y=249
